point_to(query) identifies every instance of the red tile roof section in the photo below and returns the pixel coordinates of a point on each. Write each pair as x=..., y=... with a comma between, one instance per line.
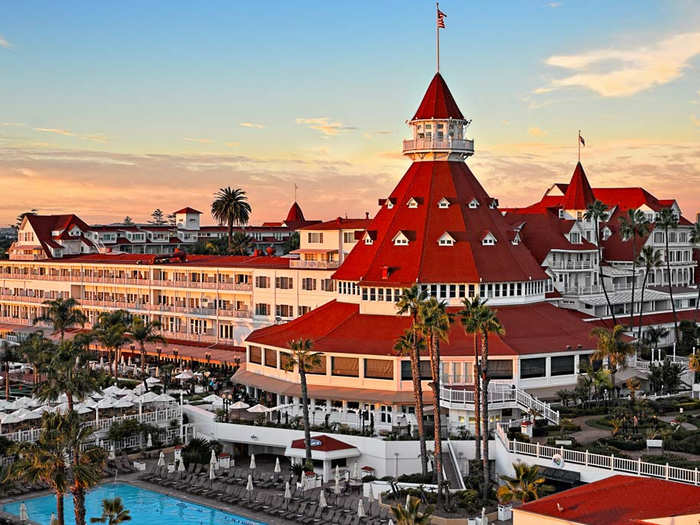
x=328, y=444
x=423, y=260
x=188, y=210
x=438, y=102
x=340, y=224
x=619, y=499
x=43, y=225
x=579, y=193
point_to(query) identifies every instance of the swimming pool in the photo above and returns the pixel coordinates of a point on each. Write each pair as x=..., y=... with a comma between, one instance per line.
x=145, y=506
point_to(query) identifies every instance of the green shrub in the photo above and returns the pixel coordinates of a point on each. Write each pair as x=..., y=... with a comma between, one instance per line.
x=417, y=477
x=626, y=443
x=469, y=500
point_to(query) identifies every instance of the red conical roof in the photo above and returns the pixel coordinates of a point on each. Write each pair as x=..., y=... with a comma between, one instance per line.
x=579, y=193
x=423, y=260
x=438, y=102
x=295, y=215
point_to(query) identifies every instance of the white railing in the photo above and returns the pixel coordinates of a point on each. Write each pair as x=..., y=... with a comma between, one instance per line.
x=466, y=146
x=455, y=463
x=609, y=463
x=313, y=264
x=499, y=394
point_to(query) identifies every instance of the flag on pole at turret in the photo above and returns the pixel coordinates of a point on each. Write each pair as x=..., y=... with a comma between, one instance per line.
x=581, y=140
x=441, y=19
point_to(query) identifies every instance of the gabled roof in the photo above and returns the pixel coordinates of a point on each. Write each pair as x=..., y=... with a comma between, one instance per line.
x=619, y=499
x=423, y=260
x=579, y=193
x=438, y=102
x=188, y=210
x=44, y=225
x=295, y=215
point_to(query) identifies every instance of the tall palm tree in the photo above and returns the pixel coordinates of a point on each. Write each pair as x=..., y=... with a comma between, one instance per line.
x=37, y=350
x=409, y=302
x=650, y=259
x=305, y=359
x=43, y=461
x=667, y=220
x=411, y=514
x=7, y=355
x=468, y=318
x=111, y=331
x=144, y=331
x=434, y=323
x=405, y=346
x=113, y=512
x=695, y=239
x=653, y=336
x=598, y=212
x=231, y=207
x=526, y=485
x=634, y=226
x=613, y=346
x=62, y=314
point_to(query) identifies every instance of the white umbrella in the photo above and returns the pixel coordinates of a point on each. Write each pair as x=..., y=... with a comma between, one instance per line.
x=164, y=398
x=161, y=459
x=123, y=403
x=53, y=520
x=249, y=485
x=371, y=493
x=336, y=489
x=148, y=397
x=258, y=409
x=337, y=473
x=212, y=459
x=23, y=516
x=322, y=499
x=90, y=403
x=14, y=417
x=112, y=391
x=240, y=405
x=252, y=462
x=355, y=471
x=41, y=410
x=112, y=452
x=278, y=469
x=81, y=409
x=211, y=398
x=287, y=491
x=408, y=500
x=185, y=375
x=139, y=389
x=483, y=514
x=181, y=466
x=391, y=522
x=149, y=441
x=360, y=509
x=212, y=475
x=106, y=402
x=96, y=395
x=152, y=380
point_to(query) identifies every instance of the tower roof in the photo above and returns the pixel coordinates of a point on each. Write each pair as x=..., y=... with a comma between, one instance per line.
x=295, y=215
x=438, y=102
x=417, y=215
x=579, y=193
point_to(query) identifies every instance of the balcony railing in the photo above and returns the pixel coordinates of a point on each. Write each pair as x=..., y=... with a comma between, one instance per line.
x=434, y=144
x=322, y=265
x=572, y=265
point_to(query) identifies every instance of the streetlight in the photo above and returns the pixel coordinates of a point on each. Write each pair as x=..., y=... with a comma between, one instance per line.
x=227, y=403
x=159, y=351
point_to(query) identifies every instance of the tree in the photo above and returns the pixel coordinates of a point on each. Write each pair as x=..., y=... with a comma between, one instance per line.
x=695, y=239
x=653, y=336
x=37, y=350
x=650, y=259
x=128, y=221
x=171, y=220
x=667, y=220
x=633, y=385
x=527, y=485
x=410, y=514
x=157, y=217
x=21, y=216
x=7, y=355
x=63, y=314
x=144, y=331
x=613, y=346
x=409, y=302
x=241, y=244
x=43, y=461
x=634, y=226
x=113, y=512
x=291, y=243
x=305, y=360
x=231, y=207
x=111, y=332
x=434, y=324
x=666, y=376
x=598, y=212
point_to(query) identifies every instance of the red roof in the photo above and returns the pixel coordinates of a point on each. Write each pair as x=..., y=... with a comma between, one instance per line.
x=43, y=225
x=579, y=193
x=223, y=261
x=188, y=210
x=340, y=224
x=438, y=102
x=295, y=215
x=423, y=260
x=340, y=328
x=328, y=444
x=619, y=499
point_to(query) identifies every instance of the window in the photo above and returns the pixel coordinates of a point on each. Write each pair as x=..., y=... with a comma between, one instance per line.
x=658, y=237
x=348, y=237
x=307, y=283
x=315, y=237
x=412, y=203
x=443, y=203
x=262, y=282
x=327, y=285
x=284, y=283
x=562, y=365
x=533, y=367
x=345, y=366
x=425, y=372
x=262, y=309
x=488, y=240
x=575, y=238
x=304, y=310
x=446, y=240
x=500, y=369
x=473, y=204
x=379, y=368
x=284, y=310
x=255, y=354
x=270, y=358
x=401, y=241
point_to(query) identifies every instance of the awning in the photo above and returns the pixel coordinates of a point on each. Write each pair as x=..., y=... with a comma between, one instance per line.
x=323, y=448
x=333, y=393
x=562, y=476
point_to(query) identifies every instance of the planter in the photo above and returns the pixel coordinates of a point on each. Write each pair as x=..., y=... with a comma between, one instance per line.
x=655, y=443
x=505, y=512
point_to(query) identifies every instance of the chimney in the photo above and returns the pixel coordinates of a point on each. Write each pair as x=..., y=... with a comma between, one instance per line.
x=366, y=215
x=385, y=273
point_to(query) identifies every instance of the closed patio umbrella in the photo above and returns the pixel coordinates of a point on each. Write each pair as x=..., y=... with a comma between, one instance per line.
x=277, y=469
x=53, y=520
x=336, y=489
x=360, y=509
x=287, y=491
x=252, y=462
x=23, y=515
x=322, y=499
x=149, y=441
x=212, y=459
x=355, y=471
x=337, y=473
x=249, y=485
x=112, y=452
x=212, y=475
x=181, y=466
x=161, y=459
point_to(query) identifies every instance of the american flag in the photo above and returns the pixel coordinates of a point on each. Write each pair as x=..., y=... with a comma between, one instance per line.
x=583, y=142
x=441, y=19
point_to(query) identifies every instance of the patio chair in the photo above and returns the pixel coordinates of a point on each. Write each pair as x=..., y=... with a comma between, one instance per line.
x=290, y=512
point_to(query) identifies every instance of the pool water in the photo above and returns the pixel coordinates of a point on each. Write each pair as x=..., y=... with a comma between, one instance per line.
x=146, y=507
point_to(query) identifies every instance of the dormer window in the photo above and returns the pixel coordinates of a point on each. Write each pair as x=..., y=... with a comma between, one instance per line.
x=400, y=239
x=446, y=240
x=368, y=238
x=575, y=238
x=473, y=204
x=561, y=213
x=493, y=204
x=413, y=202
x=443, y=203
x=516, y=238
x=488, y=239
x=389, y=203
x=606, y=233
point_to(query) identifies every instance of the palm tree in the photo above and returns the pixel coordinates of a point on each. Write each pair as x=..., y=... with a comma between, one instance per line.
x=468, y=317
x=37, y=350
x=111, y=331
x=650, y=259
x=527, y=485
x=405, y=346
x=598, y=212
x=240, y=244
x=62, y=314
x=410, y=514
x=43, y=461
x=113, y=512
x=653, y=336
x=231, y=207
x=634, y=225
x=613, y=346
x=409, y=302
x=633, y=385
x=305, y=360
x=667, y=220
x=695, y=239
x=144, y=331
x=7, y=355
x=434, y=324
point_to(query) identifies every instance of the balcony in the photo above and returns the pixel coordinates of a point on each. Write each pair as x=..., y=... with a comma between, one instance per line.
x=573, y=265
x=434, y=144
x=321, y=265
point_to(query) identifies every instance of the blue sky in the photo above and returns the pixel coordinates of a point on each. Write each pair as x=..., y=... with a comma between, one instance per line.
x=161, y=103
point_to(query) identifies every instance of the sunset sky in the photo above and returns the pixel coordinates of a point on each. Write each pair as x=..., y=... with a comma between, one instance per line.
x=113, y=109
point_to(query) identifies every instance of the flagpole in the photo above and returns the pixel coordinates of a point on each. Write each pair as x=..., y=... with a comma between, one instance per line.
x=437, y=37
x=579, y=145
